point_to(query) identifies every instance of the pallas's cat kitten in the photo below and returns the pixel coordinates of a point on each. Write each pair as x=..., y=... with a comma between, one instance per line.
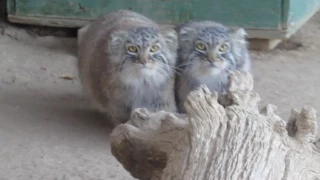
x=127, y=61
x=208, y=52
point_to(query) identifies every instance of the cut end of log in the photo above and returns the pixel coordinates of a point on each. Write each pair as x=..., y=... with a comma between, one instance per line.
x=141, y=144
x=130, y=149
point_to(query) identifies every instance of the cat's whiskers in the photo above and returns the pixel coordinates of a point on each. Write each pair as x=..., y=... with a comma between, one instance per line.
x=185, y=64
x=231, y=68
x=120, y=74
x=172, y=71
x=184, y=67
x=128, y=72
x=176, y=71
x=164, y=71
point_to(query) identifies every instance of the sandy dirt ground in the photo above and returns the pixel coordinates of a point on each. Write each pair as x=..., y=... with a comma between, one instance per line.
x=48, y=131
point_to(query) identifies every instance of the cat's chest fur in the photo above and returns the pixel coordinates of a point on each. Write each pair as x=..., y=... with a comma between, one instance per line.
x=146, y=96
x=216, y=82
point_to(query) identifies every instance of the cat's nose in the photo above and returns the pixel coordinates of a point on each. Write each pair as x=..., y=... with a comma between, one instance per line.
x=212, y=57
x=212, y=60
x=143, y=61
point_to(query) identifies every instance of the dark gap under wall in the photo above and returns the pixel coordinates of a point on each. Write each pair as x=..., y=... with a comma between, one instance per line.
x=2, y=9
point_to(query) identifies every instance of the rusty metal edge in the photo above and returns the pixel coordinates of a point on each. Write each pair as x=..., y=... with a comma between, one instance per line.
x=78, y=23
x=48, y=21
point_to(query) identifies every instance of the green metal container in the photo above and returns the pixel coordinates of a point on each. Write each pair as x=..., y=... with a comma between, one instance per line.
x=265, y=19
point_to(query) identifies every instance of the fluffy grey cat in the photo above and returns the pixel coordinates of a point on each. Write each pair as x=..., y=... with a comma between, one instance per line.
x=125, y=62
x=208, y=52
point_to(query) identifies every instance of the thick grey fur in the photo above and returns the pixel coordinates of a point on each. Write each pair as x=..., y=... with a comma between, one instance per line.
x=118, y=81
x=194, y=67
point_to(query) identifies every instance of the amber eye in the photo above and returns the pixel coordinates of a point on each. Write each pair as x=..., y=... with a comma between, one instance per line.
x=201, y=46
x=132, y=49
x=154, y=48
x=223, y=48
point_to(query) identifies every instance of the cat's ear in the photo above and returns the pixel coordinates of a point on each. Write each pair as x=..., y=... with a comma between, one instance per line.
x=171, y=37
x=116, y=40
x=238, y=35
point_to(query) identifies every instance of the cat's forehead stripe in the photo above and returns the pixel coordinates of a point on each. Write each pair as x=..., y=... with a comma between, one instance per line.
x=144, y=35
x=213, y=35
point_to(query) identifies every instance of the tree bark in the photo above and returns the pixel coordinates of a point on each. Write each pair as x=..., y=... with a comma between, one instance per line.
x=220, y=138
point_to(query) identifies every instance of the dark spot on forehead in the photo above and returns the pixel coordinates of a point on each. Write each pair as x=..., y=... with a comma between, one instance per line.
x=213, y=34
x=144, y=32
x=213, y=31
x=144, y=35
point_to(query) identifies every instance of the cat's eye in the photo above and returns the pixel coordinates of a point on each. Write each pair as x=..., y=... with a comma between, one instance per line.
x=201, y=46
x=223, y=48
x=133, y=49
x=154, y=48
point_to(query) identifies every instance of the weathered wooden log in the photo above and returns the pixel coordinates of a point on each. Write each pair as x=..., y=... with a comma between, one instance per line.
x=225, y=138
